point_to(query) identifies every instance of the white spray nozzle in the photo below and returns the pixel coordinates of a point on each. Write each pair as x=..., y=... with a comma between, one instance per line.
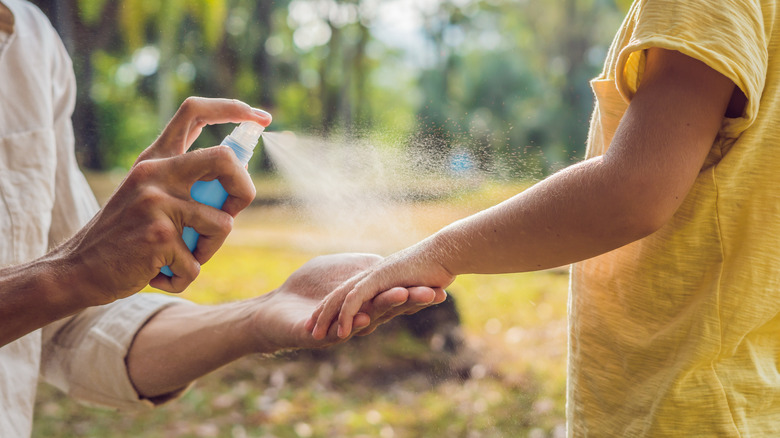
x=248, y=134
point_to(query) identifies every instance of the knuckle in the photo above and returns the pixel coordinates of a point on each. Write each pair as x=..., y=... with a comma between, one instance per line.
x=191, y=108
x=185, y=279
x=160, y=232
x=154, y=263
x=189, y=103
x=225, y=223
x=242, y=105
x=150, y=198
x=223, y=154
x=251, y=192
x=142, y=171
x=219, y=159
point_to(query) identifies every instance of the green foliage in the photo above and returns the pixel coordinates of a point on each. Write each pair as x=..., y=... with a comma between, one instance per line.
x=505, y=80
x=212, y=15
x=91, y=10
x=126, y=118
x=133, y=20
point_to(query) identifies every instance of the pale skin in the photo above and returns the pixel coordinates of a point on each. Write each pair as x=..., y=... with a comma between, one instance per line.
x=583, y=211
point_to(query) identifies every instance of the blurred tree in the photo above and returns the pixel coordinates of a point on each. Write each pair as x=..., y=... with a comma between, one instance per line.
x=83, y=33
x=506, y=81
x=165, y=20
x=511, y=80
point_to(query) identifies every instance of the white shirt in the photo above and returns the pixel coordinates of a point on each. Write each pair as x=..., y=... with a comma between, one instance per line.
x=44, y=199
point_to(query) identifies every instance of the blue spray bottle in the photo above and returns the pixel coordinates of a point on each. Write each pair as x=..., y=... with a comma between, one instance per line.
x=242, y=140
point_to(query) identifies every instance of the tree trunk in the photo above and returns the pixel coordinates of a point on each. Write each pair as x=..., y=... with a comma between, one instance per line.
x=261, y=62
x=81, y=41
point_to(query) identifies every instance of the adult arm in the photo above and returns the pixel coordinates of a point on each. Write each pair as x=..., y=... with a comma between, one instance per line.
x=138, y=231
x=582, y=211
x=184, y=342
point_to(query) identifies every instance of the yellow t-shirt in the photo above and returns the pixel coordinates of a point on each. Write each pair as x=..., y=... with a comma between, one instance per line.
x=678, y=334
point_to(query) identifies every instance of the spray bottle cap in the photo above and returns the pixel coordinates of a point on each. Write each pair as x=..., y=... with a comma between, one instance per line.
x=247, y=134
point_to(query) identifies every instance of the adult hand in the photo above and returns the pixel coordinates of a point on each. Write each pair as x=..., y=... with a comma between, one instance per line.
x=195, y=339
x=123, y=247
x=409, y=268
x=281, y=315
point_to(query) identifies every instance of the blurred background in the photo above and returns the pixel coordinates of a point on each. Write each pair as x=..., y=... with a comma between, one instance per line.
x=501, y=78
x=500, y=85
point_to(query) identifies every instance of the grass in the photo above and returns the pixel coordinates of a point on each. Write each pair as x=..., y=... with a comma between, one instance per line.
x=508, y=379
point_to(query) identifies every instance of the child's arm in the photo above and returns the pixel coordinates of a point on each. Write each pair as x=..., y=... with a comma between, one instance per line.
x=582, y=211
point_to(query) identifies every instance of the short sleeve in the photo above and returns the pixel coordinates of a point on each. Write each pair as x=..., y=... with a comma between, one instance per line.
x=728, y=36
x=85, y=355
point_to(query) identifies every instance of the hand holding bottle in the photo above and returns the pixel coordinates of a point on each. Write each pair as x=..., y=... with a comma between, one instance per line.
x=139, y=230
x=242, y=141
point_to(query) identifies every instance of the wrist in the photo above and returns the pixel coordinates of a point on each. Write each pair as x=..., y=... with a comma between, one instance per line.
x=268, y=333
x=230, y=323
x=72, y=277
x=442, y=248
x=260, y=341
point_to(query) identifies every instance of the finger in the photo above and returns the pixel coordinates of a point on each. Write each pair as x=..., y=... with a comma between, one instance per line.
x=194, y=114
x=361, y=321
x=441, y=295
x=398, y=301
x=329, y=311
x=309, y=326
x=184, y=266
x=213, y=226
x=218, y=162
x=329, y=308
x=386, y=301
x=362, y=292
x=421, y=296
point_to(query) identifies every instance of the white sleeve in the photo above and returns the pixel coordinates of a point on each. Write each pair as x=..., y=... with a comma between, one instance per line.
x=84, y=355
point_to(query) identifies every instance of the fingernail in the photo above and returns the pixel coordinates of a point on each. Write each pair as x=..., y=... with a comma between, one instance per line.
x=262, y=113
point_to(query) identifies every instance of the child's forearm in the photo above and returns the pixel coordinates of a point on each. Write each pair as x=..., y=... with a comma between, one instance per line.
x=598, y=205
x=578, y=213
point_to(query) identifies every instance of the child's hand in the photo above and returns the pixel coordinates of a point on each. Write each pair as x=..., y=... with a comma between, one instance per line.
x=408, y=268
